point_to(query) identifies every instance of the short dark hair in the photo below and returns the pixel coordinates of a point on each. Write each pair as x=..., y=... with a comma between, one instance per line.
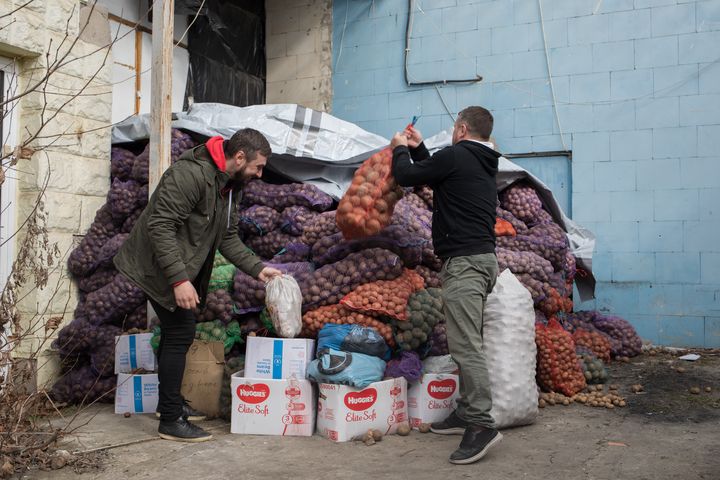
x=249, y=141
x=479, y=121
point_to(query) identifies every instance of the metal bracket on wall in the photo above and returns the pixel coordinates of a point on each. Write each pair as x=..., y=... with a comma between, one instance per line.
x=551, y=153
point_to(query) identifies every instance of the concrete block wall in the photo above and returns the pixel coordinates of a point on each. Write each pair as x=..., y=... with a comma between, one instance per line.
x=298, y=52
x=73, y=147
x=636, y=99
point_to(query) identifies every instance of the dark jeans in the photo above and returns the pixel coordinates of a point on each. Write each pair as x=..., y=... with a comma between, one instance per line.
x=178, y=333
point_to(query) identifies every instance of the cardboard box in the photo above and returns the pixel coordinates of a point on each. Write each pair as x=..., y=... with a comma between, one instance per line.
x=347, y=412
x=136, y=393
x=134, y=351
x=278, y=358
x=272, y=407
x=202, y=380
x=433, y=398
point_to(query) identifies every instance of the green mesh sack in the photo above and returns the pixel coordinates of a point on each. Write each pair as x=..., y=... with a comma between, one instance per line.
x=220, y=260
x=233, y=336
x=267, y=322
x=221, y=278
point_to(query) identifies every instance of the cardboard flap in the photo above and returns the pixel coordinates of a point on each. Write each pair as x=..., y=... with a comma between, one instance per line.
x=202, y=351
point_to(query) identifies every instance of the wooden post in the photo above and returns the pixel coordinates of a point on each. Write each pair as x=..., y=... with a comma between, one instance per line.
x=160, y=95
x=161, y=89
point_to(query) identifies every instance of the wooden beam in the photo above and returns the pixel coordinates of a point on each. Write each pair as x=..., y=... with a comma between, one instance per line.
x=161, y=89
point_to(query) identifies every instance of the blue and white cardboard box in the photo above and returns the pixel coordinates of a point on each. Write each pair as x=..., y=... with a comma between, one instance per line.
x=136, y=393
x=278, y=358
x=133, y=352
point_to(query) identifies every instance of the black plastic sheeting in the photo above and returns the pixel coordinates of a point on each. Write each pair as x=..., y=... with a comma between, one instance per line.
x=227, y=51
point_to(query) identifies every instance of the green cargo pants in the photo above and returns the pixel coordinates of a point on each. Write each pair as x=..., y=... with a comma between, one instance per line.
x=466, y=283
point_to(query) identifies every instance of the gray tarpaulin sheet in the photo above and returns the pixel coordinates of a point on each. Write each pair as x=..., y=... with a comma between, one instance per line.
x=317, y=148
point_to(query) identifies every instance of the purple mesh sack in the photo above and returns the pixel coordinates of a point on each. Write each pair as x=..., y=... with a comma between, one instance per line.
x=113, y=301
x=540, y=242
x=542, y=218
x=321, y=226
x=540, y=317
x=258, y=220
x=393, y=238
x=624, y=340
x=82, y=386
x=82, y=259
x=519, y=226
x=121, y=163
x=271, y=244
x=280, y=197
x=123, y=198
x=110, y=249
x=249, y=293
x=431, y=277
x=328, y=284
x=438, y=341
x=407, y=365
x=522, y=201
x=219, y=306
x=129, y=222
x=293, y=252
x=179, y=142
x=537, y=289
x=141, y=167
x=524, y=262
x=426, y=194
x=98, y=279
x=136, y=320
x=294, y=219
x=415, y=219
x=570, y=267
x=430, y=260
x=75, y=338
x=102, y=354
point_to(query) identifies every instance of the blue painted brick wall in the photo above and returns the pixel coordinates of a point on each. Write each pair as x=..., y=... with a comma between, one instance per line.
x=637, y=91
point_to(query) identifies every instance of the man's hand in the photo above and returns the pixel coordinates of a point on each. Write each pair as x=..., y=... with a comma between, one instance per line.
x=269, y=273
x=413, y=135
x=185, y=296
x=399, y=139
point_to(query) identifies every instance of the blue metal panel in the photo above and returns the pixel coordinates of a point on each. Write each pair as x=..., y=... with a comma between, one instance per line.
x=555, y=173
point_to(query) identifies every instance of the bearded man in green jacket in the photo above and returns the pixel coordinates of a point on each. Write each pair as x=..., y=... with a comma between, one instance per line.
x=169, y=254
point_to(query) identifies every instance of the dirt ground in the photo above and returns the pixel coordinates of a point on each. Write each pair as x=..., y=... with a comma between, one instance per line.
x=664, y=432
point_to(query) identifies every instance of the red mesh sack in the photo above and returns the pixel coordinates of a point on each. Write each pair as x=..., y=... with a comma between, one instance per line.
x=503, y=228
x=385, y=297
x=557, y=367
x=367, y=206
x=596, y=342
x=337, y=314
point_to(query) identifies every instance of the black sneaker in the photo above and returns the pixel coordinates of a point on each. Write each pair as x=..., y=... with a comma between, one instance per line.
x=189, y=413
x=452, y=425
x=182, y=431
x=475, y=444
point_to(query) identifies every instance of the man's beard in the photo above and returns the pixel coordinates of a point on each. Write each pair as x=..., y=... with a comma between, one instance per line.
x=241, y=177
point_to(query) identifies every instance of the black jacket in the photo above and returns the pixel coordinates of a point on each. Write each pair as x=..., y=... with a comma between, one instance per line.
x=462, y=178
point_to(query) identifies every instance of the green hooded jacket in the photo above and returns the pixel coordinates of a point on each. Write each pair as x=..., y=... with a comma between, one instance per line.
x=188, y=217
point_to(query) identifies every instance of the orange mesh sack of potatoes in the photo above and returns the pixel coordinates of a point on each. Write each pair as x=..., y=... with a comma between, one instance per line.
x=385, y=297
x=558, y=369
x=337, y=314
x=596, y=342
x=367, y=206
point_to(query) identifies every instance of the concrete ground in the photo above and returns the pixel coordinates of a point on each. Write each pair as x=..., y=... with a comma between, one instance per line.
x=664, y=433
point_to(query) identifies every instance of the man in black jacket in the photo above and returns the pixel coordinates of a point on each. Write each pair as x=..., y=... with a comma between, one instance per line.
x=462, y=178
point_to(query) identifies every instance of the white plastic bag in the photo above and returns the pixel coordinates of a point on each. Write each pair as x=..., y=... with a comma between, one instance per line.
x=284, y=305
x=509, y=345
x=440, y=364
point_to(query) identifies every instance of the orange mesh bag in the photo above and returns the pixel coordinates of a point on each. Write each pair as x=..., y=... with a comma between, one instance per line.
x=367, y=206
x=596, y=342
x=337, y=314
x=558, y=369
x=503, y=228
x=385, y=297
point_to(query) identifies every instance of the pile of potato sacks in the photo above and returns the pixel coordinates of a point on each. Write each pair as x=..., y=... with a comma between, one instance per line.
x=368, y=260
